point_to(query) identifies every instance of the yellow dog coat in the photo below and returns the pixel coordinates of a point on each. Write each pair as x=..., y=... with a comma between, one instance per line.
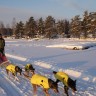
x=11, y=68
x=63, y=77
x=40, y=81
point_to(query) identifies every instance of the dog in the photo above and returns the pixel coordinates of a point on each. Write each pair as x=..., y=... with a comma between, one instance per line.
x=29, y=68
x=38, y=80
x=14, y=70
x=66, y=80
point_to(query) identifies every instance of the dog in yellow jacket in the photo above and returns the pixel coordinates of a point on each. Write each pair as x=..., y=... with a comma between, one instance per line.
x=66, y=80
x=38, y=80
x=29, y=68
x=13, y=69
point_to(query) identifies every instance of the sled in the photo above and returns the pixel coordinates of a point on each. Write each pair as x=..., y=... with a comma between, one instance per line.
x=3, y=60
x=4, y=64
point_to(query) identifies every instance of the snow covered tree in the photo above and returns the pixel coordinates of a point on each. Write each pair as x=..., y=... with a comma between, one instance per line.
x=31, y=27
x=8, y=30
x=2, y=28
x=50, y=28
x=14, y=25
x=63, y=28
x=75, y=27
x=19, y=31
x=92, y=16
x=41, y=28
x=67, y=28
x=86, y=24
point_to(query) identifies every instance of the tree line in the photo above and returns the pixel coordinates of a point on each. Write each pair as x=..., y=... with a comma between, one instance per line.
x=77, y=27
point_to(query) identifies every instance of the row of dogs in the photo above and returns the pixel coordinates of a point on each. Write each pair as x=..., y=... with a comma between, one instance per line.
x=42, y=81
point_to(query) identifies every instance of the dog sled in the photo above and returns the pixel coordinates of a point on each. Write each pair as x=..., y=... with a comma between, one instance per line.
x=3, y=60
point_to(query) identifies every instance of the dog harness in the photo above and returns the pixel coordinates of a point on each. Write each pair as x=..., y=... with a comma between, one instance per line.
x=11, y=68
x=63, y=77
x=40, y=81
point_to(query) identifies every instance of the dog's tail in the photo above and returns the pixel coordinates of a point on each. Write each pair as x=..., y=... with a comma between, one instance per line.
x=28, y=77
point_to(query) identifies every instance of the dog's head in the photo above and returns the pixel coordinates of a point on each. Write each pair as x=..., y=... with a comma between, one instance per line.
x=31, y=68
x=54, y=72
x=72, y=84
x=18, y=69
x=53, y=85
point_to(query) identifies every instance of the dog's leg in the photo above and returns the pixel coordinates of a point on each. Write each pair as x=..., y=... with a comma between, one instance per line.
x=66, y=90
x=7, y=71
x=16, y=78
x=27, y=72
x=34, y=88
x=46, y=92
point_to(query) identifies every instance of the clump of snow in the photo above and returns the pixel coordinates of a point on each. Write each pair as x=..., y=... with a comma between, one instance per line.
x=43, y=64
x=2, y=92
x=73, y=73
x=94, y=79
x=86, y=78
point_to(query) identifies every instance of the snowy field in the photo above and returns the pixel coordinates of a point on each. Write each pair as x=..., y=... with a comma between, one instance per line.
x=79, y=64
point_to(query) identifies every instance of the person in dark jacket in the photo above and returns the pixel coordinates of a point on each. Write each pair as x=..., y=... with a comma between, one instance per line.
x=2, y=44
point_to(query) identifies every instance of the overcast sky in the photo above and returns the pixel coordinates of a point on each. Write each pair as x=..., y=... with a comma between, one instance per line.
x=23, y=9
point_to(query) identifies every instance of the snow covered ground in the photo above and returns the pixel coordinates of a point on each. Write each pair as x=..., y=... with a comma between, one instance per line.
x=79, y=64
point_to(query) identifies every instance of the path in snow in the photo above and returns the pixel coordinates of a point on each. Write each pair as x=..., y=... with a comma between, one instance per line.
x=8, y=87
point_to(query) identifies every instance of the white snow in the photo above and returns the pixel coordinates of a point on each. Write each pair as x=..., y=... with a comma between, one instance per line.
x=16, y=57
x=2, y=92
x=43, y=64
x=80, y=45
x=73, y=73
x=48, y=55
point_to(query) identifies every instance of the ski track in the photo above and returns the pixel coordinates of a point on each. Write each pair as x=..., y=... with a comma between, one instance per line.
x=8, y=87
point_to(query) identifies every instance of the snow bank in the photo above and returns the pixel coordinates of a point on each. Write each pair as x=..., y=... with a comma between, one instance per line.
x=80, y=45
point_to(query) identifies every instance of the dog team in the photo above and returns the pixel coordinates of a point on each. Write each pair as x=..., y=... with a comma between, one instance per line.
x=42, y=81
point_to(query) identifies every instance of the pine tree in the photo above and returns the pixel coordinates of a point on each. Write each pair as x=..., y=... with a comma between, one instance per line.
x=60, y=27
x=31, y=28
x=41, y=28
x=2, y=28
x=50, y=27
x=92, y=16
x=8, y=30
x=63, y=28
x=14, y=25
x=19, y=31
x=86, y=24
x=75, y=27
